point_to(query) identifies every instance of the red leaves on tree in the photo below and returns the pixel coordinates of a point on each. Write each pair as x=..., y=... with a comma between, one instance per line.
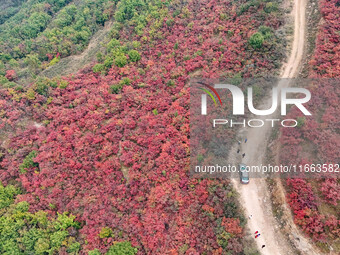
x=10, y=75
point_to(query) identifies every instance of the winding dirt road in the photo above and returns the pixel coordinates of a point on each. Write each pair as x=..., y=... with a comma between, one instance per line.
x=255, y=196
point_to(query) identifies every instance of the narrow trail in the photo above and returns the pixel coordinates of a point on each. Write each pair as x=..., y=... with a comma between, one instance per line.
x=255, y=196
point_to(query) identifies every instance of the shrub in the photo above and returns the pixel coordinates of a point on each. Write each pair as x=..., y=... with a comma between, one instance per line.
x=300, y=121
x=98, y=68
x=271, y=7
x=42, y=246
x=30, y=94
x=169, y=22
x=54, y=61
x=256, y=40
x=11, y=75
x=134, y=55
x=222, y=239
x=42, y=85
x=100, y=57
x=245, y=7
x=267, y=32
x=64, y=221
x=74, y=247
x=236, y=79
x=3, y=80
x=125, y=81
x=170, y=83
x=2, y=69
x=136, y=44
x=116, y=88
x=63, y=84
x=7, y=195
x=32, y=61
x=28, y=162
x=112, y=44
x=198, y=53
x=122, y=248
x=200, y=158
x=105, y=232
x=57, y=238
x=94, y=252
x=108, y=62
x=121, y=61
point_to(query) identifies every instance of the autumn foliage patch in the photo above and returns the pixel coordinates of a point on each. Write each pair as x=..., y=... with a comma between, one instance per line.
x=317, y=139
x=110, y=144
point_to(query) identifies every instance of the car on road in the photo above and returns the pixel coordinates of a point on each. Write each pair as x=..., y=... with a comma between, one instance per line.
x=244, y=174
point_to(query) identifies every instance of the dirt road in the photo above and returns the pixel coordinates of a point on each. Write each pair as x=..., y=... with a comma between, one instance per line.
x=255, y=196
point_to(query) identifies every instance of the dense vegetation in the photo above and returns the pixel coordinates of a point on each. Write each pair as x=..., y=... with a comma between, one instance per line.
x=315, y=202
x=8, y=9
x=109, y=145
x=23, y=232
x=39, y=33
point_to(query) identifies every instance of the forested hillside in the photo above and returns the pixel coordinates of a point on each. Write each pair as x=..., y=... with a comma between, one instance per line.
x=107, y=147
x=36, y=34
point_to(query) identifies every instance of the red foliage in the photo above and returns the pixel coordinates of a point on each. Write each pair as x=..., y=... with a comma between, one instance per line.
x=232, y=226
x=319, y=132
x=333, y=226
x=326, y=61
x=115, y=162
x=330, y=190
x=49, y=56
x=11, y=75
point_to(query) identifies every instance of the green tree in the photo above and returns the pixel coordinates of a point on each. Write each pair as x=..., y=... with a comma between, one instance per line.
x=34, y=24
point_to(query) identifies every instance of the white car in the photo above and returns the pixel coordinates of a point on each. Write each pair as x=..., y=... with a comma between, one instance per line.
x=244, y=175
